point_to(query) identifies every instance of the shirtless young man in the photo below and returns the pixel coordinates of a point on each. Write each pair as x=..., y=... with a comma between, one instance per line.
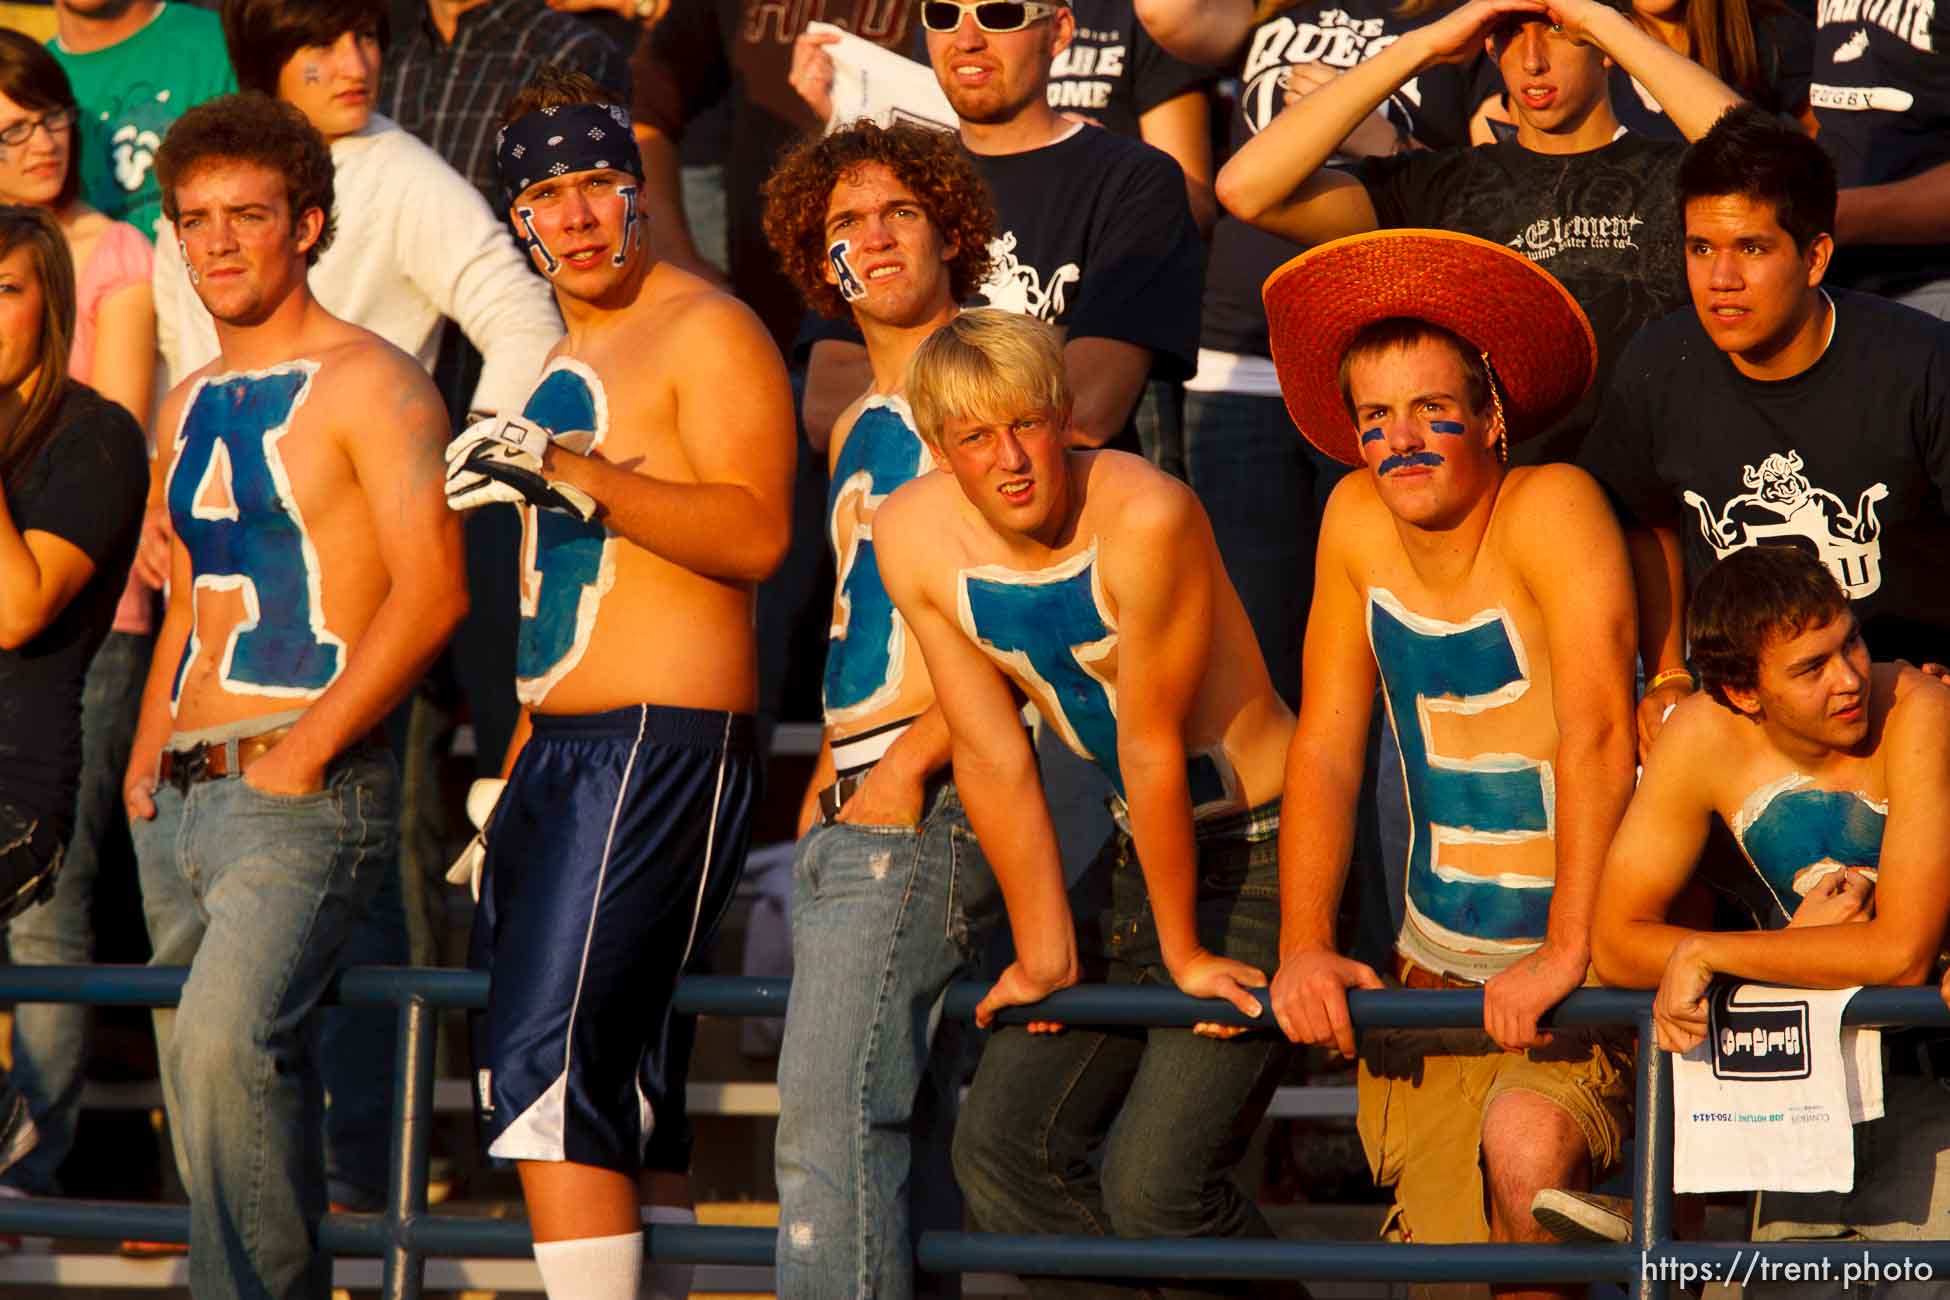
x=1089, y=583
x=892, y=226
x=1496, y=606
x=1833, y=773
x=652, y=465
x=314, y=574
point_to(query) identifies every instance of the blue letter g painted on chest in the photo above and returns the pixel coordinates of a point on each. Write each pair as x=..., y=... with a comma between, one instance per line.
x=1490, y=798
x=232, y=505
x=556, y=621
x=1048, y=628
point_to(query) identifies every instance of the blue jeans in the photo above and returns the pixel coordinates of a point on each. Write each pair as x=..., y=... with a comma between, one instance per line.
x=51, y=1039
x=1263, y=485
x=1131, y=1132
x=257, y=892
x=883, y=917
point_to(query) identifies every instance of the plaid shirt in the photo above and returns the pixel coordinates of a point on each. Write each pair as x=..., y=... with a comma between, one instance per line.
x=451, y=96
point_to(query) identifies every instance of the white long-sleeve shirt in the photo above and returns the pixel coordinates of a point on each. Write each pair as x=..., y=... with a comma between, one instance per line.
x=416, y=245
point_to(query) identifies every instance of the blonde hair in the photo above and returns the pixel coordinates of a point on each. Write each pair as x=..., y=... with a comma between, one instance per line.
x=987, y=364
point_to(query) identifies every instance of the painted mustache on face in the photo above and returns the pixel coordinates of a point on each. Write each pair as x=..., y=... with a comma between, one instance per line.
x=1414, y=460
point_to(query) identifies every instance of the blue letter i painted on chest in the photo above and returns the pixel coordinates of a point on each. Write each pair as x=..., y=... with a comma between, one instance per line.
x=556, y=620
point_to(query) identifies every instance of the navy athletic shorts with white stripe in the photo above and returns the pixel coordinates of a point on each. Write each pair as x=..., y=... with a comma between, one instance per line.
x=613, y=852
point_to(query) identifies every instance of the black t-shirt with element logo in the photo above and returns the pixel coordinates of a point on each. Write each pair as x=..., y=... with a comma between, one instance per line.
x=1604, y=222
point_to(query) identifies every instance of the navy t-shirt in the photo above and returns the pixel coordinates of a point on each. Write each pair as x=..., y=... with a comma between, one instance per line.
x=1093, y=234
x=1882, y=95
x=1433, y=108
x=1113, y=72
x=1849, y=459
x=1604, y=222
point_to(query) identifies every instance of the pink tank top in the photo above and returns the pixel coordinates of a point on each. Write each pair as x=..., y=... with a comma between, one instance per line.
x=121, y=257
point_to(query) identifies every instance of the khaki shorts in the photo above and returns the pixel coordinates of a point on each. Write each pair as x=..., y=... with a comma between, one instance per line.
x=1423, y=1093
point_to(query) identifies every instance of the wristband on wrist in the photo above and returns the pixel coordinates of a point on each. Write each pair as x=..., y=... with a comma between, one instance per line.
x=1669, y=676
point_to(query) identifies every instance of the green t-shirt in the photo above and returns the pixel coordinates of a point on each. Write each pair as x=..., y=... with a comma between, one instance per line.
x=129, y=93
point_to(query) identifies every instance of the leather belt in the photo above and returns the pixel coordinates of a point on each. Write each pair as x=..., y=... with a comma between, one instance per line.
x=1414, y=976
x=217, y=759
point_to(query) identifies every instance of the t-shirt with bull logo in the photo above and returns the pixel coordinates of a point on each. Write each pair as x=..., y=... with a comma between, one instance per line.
x=1849, y=460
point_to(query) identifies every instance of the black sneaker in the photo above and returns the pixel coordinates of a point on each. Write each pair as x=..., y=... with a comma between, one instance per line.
x=1583, y=1216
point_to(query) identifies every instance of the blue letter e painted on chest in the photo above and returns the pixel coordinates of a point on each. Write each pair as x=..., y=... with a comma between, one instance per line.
x=232, y=505
x=1048, y=628
x=567, y=570
x=1471, y=667
x=865, y=654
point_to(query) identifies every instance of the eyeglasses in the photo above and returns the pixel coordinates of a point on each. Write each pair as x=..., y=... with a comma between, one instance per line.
x=55, y=119
x=990, y=15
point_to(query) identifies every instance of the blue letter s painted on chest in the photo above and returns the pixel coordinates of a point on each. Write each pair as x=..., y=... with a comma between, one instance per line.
x=865, y=652
x=570, y=569
x=1460, y=662
x=232, y=505
x=1049, y=627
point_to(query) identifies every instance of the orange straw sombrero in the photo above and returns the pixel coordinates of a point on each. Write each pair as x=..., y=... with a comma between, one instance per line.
x=1540, y=346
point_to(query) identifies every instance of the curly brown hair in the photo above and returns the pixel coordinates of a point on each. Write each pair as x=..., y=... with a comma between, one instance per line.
x=252, y=127
x=928, y=162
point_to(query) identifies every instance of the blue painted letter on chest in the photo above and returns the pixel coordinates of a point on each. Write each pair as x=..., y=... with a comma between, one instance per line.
x=1049, y=628
x=865, y=652
x=1803, y=827
x=232, y=505
x=568, y=570
x=1470, y=667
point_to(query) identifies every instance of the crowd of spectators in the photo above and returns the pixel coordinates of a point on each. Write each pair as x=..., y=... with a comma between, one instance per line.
x=1746, y=204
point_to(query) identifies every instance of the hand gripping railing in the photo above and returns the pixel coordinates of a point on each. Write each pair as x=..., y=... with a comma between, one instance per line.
x=405, y=1235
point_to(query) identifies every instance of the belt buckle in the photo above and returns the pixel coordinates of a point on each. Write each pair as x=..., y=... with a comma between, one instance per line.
x=192, y=765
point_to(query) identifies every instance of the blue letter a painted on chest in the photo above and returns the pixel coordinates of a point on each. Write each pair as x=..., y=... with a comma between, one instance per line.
x=565, y=581
x=232, y=506
x=1049, y=627
x=1470, y=667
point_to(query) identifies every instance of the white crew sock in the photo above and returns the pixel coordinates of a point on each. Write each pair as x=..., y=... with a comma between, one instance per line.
x=591, y=1268
x=665, y=1280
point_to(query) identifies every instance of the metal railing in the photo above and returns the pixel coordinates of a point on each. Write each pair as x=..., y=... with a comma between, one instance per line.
x=404, y=1235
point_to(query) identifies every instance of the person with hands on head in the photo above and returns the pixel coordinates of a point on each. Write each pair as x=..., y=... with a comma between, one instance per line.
x=892, y=227
x=315, y=572
x=651, y=463
x=1088, y=583
x=1507, y=676
x=1830, y=771
x=1594, y=207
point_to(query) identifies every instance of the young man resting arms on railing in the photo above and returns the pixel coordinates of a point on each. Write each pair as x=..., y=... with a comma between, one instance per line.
x=1833, y=774
x=1089, y=583
x=1496, y=605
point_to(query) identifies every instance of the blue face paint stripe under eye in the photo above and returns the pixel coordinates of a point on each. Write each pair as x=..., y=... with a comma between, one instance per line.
x=1371, y=435
x=1446, y=426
